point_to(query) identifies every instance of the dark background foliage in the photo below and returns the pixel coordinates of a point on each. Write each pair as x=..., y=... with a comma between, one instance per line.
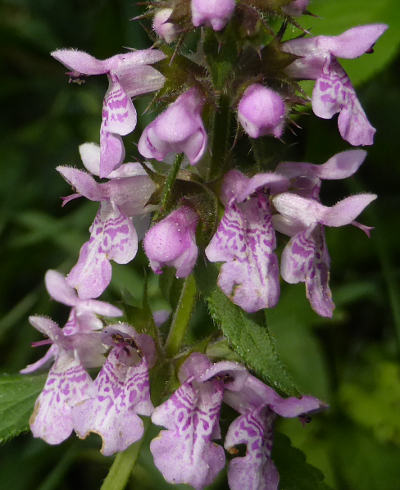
x=350, y=361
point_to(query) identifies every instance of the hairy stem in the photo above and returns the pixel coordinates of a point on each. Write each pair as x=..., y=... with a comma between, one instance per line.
x=169, y=184
x=181, y=317
x=220, y=139
x=122, y=466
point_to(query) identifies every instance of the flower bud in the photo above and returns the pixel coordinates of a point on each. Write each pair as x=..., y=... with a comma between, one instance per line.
x=178, y=129
x=171, y=242
x=296, y=8
x=261, y=111
x=212, y=12
x=167, y=31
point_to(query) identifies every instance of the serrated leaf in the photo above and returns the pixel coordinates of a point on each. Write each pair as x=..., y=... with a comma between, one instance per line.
x=252, y=342
x=294, y=471
x=17, y=397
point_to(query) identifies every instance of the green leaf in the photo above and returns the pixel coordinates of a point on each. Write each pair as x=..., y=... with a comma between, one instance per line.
x=294, y=471
x=17, y=398
x=253, y=343
x=339, y=15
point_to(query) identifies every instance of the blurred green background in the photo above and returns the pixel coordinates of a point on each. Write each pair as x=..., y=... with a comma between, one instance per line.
x=352, y=361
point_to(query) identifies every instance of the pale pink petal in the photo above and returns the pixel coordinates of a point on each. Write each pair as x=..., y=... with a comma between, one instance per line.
x=67, y=385
x=83, y=183
x=333, y=92
x=59, y=289
x=90, y=156
x=305, y=259
x=245, y=240
x=119, y=115
x=112, y=237
x=120, y=392
x=185, y=452
x=51, y=353
x=346, y=211
x=354, y=42
x=255, y=471
x=80, y=62
x=340, y=166
x=112, y=152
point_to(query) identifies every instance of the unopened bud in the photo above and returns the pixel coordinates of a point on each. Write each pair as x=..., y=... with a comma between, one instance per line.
x=171, y=242
x=215, y=13
x=167, y=31
x=261, y=111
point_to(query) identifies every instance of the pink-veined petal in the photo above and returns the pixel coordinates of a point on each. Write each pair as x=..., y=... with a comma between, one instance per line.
x=67, y=385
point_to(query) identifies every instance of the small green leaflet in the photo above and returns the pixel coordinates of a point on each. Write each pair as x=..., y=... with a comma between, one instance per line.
x=252, y=342
x=294, y=471
x=17, y=398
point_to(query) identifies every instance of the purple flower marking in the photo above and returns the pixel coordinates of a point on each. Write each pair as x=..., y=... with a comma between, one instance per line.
x=333, y=91
x=112, y=237
x=185, y=453
x=120, y=392
x=259, y=405
x=67, y=383
x=128, y=75
x=82, y=318
x=245, y=241
x=306, y=258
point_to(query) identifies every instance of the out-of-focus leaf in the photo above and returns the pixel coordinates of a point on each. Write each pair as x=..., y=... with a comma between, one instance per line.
x=294, y=471
x=252, y=342
x=17, y=397
x=376, y=406
x=291, y=324
x=18, y=312
x=363, y=462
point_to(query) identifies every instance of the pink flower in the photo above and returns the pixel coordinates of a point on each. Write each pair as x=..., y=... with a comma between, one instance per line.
x=261, y=111
x=215, y=13
x=129, y=74
x=178, y=129
x=333, y=91
x=171, y=242
x=164, y=29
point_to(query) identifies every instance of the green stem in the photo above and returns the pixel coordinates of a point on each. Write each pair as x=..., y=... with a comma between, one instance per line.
x=169, y=184
x=181, y=317
x=220, y=139
x=122, y=466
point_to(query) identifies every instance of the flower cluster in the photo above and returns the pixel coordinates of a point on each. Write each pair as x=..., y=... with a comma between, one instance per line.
x=285, y=199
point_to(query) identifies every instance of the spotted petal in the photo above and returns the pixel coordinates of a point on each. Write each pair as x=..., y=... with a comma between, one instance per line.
x=122, y=390
x=333, y=92
x=185, y=452
x=67, y=385
x=245, y=240
x=255, y=471
x=113, y=237
x=306, y=259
